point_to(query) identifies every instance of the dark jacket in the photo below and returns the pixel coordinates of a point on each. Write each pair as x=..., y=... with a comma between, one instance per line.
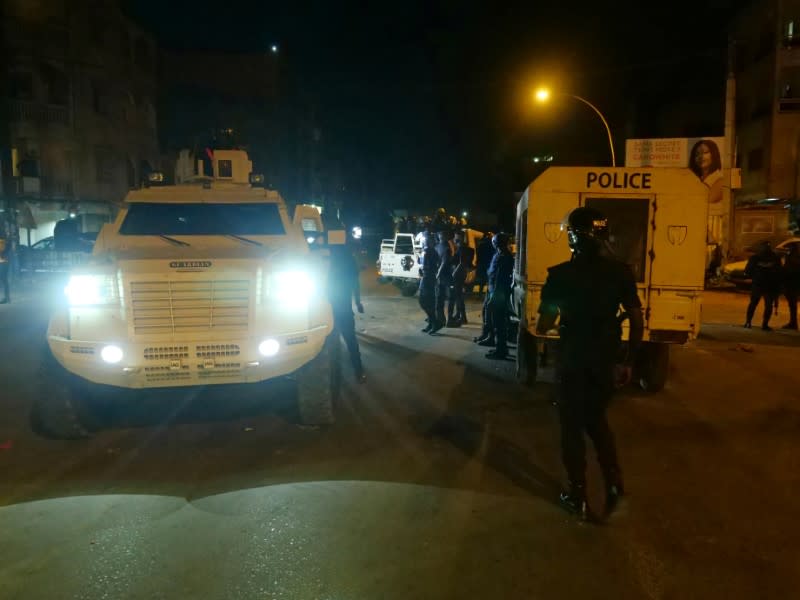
x=429, y=267
x=764, y=269
x=343, y=284
x=445, y=273
x=791, y=271
x=588, y=295
x=485, y=253
x=462, y=262
x=501, y=273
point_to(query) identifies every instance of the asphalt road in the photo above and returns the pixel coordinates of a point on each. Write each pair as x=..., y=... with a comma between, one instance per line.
x=438, y=481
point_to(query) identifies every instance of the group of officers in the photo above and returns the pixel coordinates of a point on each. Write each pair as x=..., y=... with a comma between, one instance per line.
x=584, y=295
x=445, y=266
x=772, y=275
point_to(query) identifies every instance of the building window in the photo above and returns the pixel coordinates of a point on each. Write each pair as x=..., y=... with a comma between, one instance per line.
x=755, y=159
x=104, y=164
x=225, y=168
x=791, y=34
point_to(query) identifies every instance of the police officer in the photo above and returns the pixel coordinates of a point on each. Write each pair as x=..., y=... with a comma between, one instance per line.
x=791, y=283
x=429, y=267
x=343, y=289
x=500, y=277
x=764, y=268
x=462, y=264
x=444, y=278
x=587, y=293
x=484, y=252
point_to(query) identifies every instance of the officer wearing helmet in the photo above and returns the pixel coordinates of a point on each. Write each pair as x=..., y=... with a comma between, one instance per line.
x=429, y=267
x=586, y=294
x=500, y=278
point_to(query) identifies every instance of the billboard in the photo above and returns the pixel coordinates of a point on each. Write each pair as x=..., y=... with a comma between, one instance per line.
x=704, y=156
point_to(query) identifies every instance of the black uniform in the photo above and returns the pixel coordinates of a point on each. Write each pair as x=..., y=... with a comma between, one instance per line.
x=343, y=289
x=500, y=277
x=587, y=292
x=444, y=278
x=462, y=264
x=485, y=252
x=764, y=268
x=427, y=285
x=791, y=284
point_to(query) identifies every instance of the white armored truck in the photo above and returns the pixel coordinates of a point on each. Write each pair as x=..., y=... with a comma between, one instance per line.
x=207, y=282
x=657, y=225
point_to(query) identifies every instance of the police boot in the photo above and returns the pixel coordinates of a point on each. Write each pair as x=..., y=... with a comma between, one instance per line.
x=487, y=342
x=452, y=322
x=574, y=501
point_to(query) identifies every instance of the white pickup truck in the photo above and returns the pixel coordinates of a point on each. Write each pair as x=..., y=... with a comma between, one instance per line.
x=400, y=258
x=204, y=283
x=657, y=225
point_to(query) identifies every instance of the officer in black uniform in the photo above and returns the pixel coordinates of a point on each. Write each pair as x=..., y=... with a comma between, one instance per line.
x=343, y=290
x=764, y=268
x=462, y=265
x=429, y=267
x=444, y=278
x=587, y=293
x=500, y=275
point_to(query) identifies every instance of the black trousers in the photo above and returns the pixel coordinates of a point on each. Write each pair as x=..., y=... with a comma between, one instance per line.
x=456, y=309
x=488, y=318
x=4, y=267
x=500, y=318
x=344, y=324
x=584, y=394
x=792, y=293
x=756, y=294
x=442, y=293
x=427, y=301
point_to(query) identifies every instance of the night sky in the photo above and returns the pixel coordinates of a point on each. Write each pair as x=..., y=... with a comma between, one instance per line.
x=432, y=99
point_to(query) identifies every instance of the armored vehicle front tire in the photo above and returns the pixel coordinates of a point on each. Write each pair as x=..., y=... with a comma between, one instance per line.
x=60, y=408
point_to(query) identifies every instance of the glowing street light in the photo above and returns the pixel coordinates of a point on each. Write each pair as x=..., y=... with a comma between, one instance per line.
x=542, y=96
x=274, y=48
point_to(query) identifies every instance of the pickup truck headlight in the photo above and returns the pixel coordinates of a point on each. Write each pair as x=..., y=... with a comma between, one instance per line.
x=89, y=290
x=291, y=289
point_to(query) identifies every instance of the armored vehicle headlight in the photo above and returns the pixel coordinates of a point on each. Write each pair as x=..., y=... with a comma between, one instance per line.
x=292, y=289
x=86, y=290
x=111, y=354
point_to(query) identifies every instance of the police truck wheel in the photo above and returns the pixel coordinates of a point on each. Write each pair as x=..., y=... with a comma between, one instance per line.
x=60, y=408
x=653, y=367
x=318, y=386
x=527, y=363
x=408, y=290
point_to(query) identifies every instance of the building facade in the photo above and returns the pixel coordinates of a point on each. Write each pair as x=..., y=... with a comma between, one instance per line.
x=766, y=38
x=79, y=117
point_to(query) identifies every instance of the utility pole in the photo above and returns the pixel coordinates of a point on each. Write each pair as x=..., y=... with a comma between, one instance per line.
x=729, y=162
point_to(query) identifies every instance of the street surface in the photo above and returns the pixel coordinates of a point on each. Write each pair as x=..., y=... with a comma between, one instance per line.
x=438, y=481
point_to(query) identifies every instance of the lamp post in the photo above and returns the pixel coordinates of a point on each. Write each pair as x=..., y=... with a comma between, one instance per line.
x=542, y=96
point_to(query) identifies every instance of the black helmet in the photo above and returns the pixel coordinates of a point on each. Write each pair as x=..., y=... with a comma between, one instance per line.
x=500, y=240
x=587, y=228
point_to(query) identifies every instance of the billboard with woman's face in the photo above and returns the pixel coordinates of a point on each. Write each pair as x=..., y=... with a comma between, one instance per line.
x=704, y=156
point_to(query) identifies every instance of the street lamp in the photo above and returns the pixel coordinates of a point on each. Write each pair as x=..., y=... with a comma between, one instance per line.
x=542, y=95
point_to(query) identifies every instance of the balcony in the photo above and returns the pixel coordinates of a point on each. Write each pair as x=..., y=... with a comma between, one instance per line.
x=45, y=188
x=39, y=113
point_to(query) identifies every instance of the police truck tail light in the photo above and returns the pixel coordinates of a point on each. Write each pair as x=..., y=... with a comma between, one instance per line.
x=89, y=290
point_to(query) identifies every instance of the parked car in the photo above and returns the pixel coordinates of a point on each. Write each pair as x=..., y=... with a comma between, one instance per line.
x=42, y=256
x=734, y=272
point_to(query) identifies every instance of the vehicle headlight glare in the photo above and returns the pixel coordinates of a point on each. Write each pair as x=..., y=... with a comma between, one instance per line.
x=88, y=290
x=111, y=354
x=292, y=288
x=269, y=347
